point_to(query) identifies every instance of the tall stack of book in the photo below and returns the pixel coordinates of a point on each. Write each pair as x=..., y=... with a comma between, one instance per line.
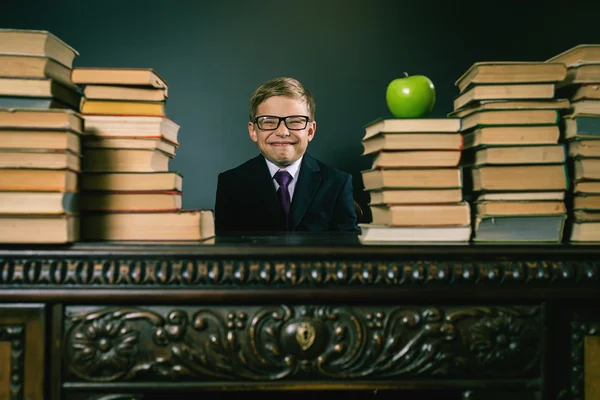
x=39, y=139
x=515, y=171
x=415, y=182
x=127, y=190
x=581, y=133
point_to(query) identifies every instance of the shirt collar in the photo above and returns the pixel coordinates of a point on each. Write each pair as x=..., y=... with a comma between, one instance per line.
x=293, y=168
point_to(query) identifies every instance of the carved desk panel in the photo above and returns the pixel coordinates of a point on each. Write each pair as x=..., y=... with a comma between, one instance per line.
x=212, y=345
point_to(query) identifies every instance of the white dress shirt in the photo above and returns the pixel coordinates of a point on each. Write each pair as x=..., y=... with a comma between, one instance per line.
x=292, y=169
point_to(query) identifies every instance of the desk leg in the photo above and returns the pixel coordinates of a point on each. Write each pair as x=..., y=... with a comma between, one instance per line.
x=585, y=361
x=500, y=395
x=55, y=343
x=591, y=367
x=22, y=351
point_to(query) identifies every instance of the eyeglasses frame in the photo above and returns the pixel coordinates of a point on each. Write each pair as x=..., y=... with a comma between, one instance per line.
x=284, y=119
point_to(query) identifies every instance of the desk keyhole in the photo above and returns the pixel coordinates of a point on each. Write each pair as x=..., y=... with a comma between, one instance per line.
x=305, y=335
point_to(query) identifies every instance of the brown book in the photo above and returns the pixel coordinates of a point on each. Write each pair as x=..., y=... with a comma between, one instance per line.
x=580, y=74
x=521, y=196
x=39, y=159
x=418, y=158
x=587, y=169
x=191, y=225
x=510, y=117
x=95, y=142
x=586, y=202
x=41, y=119
x=39, y=88
x=578, y=54
x=411, y=125
x=130, y=201
x=39, y=202
x=100, y=92
x=590, y=91
x=40, y=140
x=36, y=43
x=458, y=214
x=511, y=135
x=125, y=160
x=42, y=180
x=519, y=178
x=585, y=107
x=412, y=141
x=548, y=154
x=586, y=216
x=511, y=72
x=504, y=92
x=145, y=77
x=514, y=208
x=131, y=127
x=39, y=229
x=587, y=187
x=34, y=67
x=135, y=108
x=407, y=196
x=554, y=104
x=584, y=148
x=132, y=181
x=585, y=232
x=423, y=178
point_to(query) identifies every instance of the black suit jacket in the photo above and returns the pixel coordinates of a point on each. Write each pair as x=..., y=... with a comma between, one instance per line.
x=247, y=199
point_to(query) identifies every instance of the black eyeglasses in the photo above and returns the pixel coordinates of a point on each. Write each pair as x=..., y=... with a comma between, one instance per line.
x=271, y=122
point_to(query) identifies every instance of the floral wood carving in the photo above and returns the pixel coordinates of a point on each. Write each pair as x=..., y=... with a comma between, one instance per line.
x=300, y=343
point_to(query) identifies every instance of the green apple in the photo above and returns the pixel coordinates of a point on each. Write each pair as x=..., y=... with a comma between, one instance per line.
x=410, y=96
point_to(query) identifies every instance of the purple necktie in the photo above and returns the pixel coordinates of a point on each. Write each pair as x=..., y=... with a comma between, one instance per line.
x=283, y=178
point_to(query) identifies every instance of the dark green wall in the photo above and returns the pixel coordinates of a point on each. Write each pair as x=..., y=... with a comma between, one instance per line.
x=213, y=55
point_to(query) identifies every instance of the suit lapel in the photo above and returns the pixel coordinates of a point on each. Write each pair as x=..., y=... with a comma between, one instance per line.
x=306, y=187
x=260, y=182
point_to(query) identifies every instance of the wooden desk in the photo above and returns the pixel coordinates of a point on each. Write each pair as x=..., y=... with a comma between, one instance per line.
x=302, y=312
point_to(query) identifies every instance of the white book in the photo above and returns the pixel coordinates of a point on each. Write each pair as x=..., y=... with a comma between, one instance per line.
x=375, y=234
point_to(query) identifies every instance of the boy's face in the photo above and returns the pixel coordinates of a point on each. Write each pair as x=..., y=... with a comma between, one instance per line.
x=282, y=146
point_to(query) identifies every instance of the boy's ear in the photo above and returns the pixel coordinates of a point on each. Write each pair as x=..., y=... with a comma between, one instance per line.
x=312, y=128
x=252, y=132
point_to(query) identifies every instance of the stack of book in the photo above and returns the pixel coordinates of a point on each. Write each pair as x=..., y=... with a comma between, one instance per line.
x=515, y=170
x=35, y=71
x=127, y=191
x=415, y=182
x=581, y=133
x=39, y=139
